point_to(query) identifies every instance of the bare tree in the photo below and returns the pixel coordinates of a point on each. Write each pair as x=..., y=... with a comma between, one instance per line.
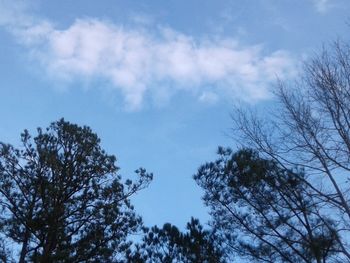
x=310, y=129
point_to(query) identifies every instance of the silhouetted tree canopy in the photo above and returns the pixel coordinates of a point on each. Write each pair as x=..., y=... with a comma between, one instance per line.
x=169, y=245
x=62, y=199
x=264, y=212
x=309, y=128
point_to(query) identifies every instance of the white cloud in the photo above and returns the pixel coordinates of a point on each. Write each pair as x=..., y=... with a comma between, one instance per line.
x=208, y=97
x=136, y=61
x=322, y=6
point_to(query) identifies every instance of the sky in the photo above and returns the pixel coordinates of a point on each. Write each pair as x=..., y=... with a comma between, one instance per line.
x=156, y=80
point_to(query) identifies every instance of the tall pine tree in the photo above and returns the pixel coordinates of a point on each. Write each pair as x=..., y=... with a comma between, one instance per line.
x=61, y=197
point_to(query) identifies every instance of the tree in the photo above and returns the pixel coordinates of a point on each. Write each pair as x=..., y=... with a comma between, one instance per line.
x=311, y=130
x=61, y=197
x=170, y=245
x=5, y=253
x=264, y=212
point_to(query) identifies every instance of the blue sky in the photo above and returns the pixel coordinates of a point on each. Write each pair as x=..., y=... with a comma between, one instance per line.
x=155, y=79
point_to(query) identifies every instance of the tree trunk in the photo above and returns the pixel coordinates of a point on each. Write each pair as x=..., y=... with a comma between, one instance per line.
x=24, y=249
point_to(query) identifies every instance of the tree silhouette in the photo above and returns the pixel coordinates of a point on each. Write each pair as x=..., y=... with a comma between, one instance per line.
x=61, y=197
x=310, y=129
x=264, y=212
x=169, y=245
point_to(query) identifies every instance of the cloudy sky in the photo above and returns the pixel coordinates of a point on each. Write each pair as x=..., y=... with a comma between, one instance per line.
x=155, y=79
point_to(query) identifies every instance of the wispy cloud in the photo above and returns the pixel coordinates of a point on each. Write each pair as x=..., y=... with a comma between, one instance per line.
x=138, y=60
x=208, y=97
x=322, y=6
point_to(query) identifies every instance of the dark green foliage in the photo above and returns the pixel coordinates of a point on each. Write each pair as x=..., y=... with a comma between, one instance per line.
x=170, y=245
x=62, y=200
x=264, y=212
